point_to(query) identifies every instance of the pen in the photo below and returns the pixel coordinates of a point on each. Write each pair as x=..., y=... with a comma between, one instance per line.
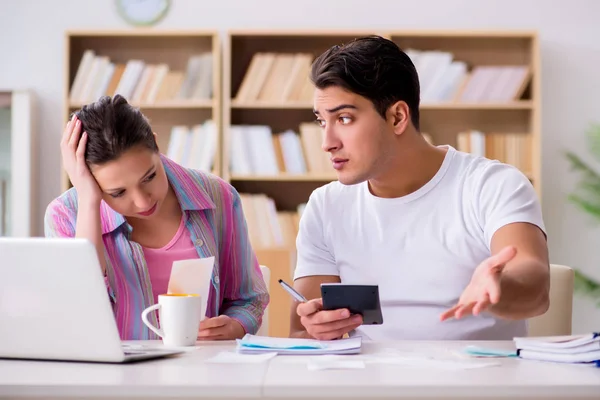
x=291, y=291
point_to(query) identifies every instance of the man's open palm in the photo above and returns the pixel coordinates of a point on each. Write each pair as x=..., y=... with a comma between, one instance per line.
x=484, y=288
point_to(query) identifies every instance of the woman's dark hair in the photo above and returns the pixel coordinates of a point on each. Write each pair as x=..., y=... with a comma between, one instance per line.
x=113, y=126
x=372, y=67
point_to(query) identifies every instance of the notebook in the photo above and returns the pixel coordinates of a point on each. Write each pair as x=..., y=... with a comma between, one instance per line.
x=560, y=344
x=251, y=344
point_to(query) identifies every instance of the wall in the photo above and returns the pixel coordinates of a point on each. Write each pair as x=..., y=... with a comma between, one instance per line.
x=31, y=44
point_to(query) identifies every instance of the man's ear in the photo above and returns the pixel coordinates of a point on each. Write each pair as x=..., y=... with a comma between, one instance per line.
x=399, y=116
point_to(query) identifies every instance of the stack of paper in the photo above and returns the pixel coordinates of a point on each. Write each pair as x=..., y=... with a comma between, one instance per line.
x=262, y=344
x=568, y=349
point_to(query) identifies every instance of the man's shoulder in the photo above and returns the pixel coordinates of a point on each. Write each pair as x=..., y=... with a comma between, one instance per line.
x=477, y=170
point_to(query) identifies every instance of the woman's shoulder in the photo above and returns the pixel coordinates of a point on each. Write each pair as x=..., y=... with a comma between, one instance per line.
x=61, y=215
x=65, y=203
x=215, y=186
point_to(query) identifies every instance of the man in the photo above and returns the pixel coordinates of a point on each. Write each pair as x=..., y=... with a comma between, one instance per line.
x=455, y=242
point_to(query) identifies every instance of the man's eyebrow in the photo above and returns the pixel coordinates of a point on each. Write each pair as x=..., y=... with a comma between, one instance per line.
x=145, y=175
x=338, y=108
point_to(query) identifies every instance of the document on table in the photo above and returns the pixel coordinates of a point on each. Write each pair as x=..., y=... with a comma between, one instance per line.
x=289, y=346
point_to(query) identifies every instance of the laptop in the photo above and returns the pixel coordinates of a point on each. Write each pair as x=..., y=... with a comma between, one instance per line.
x=54, y=305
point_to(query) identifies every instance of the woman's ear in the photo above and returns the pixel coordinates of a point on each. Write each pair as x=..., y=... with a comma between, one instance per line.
x=156, y=140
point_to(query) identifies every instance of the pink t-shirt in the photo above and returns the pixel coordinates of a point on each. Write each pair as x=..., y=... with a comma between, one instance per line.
x=160, y=261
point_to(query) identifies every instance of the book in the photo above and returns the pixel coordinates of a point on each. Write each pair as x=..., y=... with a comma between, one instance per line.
x=251, y=344
x=569, y=349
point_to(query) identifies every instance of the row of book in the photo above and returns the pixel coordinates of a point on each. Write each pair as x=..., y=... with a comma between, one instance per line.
x=509, y=148
x=283, y=77
x=277, y=77
x=267, y=227
x=256, y=150
x=444, y=79
x=141, y=82
x=194, y=146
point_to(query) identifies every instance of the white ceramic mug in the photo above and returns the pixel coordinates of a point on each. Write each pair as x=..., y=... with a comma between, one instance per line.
x=179, y=318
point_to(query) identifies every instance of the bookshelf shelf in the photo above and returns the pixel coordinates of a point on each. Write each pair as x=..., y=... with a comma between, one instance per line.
x=272, y=105
x=513, y=105
x=285, y=178
x=173, y=76
x=516, y=105
x=201, y=104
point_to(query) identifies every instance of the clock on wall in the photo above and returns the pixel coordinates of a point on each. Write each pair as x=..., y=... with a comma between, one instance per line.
x=143, y=12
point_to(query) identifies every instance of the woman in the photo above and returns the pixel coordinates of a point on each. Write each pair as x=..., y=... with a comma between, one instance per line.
x=143, y=211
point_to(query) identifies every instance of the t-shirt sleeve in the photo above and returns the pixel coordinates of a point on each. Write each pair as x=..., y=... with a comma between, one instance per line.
x=314, y=257
x=504, y=195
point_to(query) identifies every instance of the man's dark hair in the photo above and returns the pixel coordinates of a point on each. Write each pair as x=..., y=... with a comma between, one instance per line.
x=372, y=67
x=113, y=126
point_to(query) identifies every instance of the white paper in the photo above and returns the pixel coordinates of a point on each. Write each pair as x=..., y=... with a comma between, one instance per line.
x=192, y=276
x=228, y=357
x=416, y=361
x=261, y=344
x=334, y=362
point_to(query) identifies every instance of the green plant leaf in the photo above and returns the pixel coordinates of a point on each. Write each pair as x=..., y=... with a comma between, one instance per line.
x=587, y=199
x=578, y=165
x=590, y=208
x=586, y=286
x=593, y=138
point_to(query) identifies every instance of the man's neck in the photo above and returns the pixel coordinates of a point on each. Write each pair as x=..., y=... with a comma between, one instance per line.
x=409, y=171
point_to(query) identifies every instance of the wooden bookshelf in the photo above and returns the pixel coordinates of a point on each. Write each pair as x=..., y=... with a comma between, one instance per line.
x=498, y=123
x=174, y=78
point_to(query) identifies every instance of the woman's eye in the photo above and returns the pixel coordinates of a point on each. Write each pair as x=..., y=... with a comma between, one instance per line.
x=320, y=122
x=116, y=195
x=345, y=120
x=149, y=178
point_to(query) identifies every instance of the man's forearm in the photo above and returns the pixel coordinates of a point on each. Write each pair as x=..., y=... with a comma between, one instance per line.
x=524, y=291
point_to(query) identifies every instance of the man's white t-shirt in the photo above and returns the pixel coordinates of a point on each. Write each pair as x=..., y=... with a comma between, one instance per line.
x=421, y=249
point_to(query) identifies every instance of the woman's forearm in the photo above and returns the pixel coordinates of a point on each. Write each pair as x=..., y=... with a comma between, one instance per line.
x=89, y=227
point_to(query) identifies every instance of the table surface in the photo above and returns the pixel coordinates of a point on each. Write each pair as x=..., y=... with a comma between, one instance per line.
x=190, y=375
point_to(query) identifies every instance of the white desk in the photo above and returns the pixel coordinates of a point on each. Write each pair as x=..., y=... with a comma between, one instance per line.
x=178, y=377
x=287, y=377
x=513, y=379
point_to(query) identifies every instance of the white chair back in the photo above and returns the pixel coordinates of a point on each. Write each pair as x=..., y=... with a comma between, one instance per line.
x=557, y=320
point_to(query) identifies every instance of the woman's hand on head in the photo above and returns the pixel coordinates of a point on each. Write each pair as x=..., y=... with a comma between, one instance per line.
x=72, y=148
